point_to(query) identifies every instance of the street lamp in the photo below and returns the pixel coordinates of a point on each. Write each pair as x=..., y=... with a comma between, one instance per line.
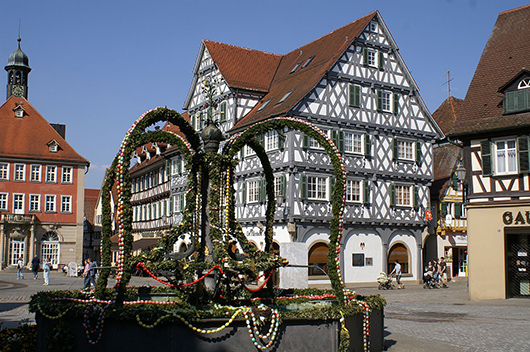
x=461, y=173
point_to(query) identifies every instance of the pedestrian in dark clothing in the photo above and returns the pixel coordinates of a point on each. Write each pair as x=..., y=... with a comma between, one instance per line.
x=89, y=273
x=35, y=266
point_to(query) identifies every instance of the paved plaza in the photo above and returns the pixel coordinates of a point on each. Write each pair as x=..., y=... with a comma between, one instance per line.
x=439, y=320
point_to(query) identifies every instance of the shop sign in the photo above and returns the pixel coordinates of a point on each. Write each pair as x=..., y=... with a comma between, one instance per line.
x=520, y=219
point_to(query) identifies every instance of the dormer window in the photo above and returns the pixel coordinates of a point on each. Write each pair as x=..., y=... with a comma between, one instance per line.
x=19, y=111
x=525, y=83
x=517, y=93
x=53, y=146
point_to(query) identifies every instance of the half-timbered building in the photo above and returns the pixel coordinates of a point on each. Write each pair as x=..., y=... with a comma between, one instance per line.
x=353, y=84
x=494, y=127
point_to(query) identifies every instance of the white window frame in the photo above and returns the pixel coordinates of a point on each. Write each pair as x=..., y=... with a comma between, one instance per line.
x=66, y=204
x=4, y=201
x=278, y=186
x=313, y=143
x=18, y=203
x=51, y=248
x=354, y=191
x=405, y=149
x=353, y=142
x=253, y=191
x=503, y=168
x=177, y=203
x=386, y=101
x=373, y=26
x=272, y=140
x=16, y=250
x=50, y=203
x=34, y=202
x=317, y=187
x=35, y=173
x=403, y=194
x=249, y=151
x=371, y=57
x=4, y=171
x=67, y=175
x=20, y=173
x=51, y=174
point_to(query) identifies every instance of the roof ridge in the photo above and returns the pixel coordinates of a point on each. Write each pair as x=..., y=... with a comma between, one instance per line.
x=241, y=47
x=514, y=10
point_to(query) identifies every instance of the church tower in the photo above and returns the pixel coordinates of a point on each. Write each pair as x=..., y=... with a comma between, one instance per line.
x=17, y=73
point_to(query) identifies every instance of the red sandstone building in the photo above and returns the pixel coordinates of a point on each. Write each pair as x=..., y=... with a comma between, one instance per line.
x=42, y=180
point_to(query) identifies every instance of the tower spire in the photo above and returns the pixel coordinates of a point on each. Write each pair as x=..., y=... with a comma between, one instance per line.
x=17, y=72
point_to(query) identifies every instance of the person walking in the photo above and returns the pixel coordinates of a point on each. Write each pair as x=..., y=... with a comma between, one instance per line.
x=35, y=266
x=397, y=271
x=89, y=274
x=20, y=265
x=443, y=272
x=46, y=267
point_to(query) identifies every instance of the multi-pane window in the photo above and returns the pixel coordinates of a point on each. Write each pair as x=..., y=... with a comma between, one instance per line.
x=50, y=247
x=20, y=172
x=51, y=173
x=66, y=204
x=506, y=152
x=34, y=202
x=179, y=202
x=177, y=166
x=3, y=201
x=222, y=111
x=353, y=142
x=4, y=171
x=35, y=173
x=67, y=174
x=405, y=150
x=371, y=57
x=386, y=101
x=279, y=186
x=18, y=203
x=403, y=196
x=353, y=191
x=253, y=191
x=313, y=143
x=272, y=140
x=50, y=203
x=316, y=187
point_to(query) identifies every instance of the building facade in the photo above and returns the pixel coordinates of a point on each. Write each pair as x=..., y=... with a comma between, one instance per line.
x=41, y=180
x=494, y=127
x=353, y=84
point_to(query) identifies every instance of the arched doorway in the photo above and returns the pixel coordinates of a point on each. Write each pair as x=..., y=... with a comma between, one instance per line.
x=318, y=259
x=50, y=247
x=399, y=252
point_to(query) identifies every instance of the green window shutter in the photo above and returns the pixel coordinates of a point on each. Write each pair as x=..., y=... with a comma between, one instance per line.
x=366, y=192
x=395, y=109
x=394, y=149
x=182, y=198
x=262, y=191
x=338, y=138
x=454, y=181
x=416, y=198
x=171, y=201
x=365, y=56
x=458, y=210
x=244, y=195
x=331, y=187
x=381, y=60
x=509, y=101
x=192, y=121
x=179, y=166
x=168, y=169
x=444, y=209
x=242, y=151
x=305, y=142
x=281, y=141
x=200, y=121
x=392, y=195
x=485, y=147
x=355, y=96
x=222, y=112
x=379, y=101
x=283, y=185
x=522, y=148
x=303, y=186
x=418, y=152
x=367, y=146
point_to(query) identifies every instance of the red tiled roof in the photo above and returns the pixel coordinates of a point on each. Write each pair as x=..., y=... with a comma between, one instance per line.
x=445, y=160
x=325, y=50
x=447, y=113
x=28, y=137
x=505, y=55
x=91, y=198
x=244, y=68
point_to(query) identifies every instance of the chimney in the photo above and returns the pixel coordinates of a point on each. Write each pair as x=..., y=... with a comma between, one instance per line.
x=60, y=128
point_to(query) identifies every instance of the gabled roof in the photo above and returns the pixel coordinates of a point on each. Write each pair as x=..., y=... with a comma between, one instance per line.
x=505, y=55
x=29, y=136
x=325, y=50
x=445, y=161
x=447, y=113
x=242, y=67
x=91, y=198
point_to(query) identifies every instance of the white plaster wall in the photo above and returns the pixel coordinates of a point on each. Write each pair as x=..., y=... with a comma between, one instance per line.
x=372, y=249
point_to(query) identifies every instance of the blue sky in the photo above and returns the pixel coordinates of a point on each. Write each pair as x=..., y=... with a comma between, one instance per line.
x=98, y=65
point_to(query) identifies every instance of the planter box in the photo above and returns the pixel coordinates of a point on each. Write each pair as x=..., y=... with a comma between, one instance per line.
x=295, y=335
